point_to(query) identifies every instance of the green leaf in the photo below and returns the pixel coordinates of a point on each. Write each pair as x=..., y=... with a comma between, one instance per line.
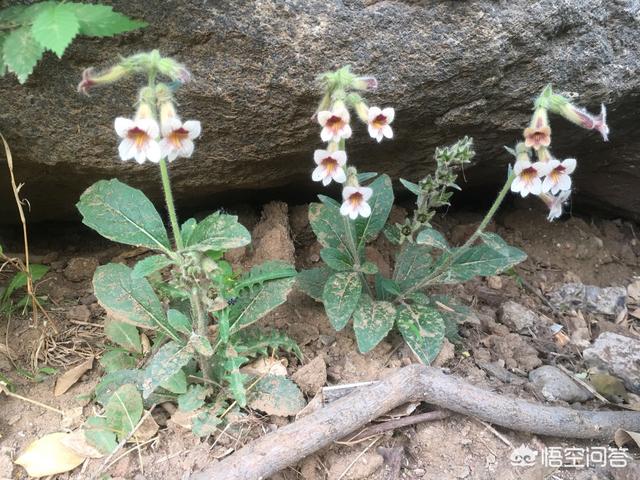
x=312, y=281
x=256, y=341
x=269, y=270
x=102, y=21
x=340, y=297
x=368, y=268
x=193, y=399
x=251, y=305
x=201, y=345
x=112, y=381
x=12, y=16
x=432, y=238
x=234, y=377
x=219, y=231
x=123, y=214
x=123, y=411
x=19, y=280
x=413, y=264
x=205, y=423
x=367, y=229
x=328, y=225
x=114, y=360
x=393, y=233
x=366, y=176
x=336, y=259
x=496, y=242
x=99, y=434
x=372, y=320
x=176, y=383
x=186, y=230
x=128, y=300
x=476, y=261
x=423, y=329
x=277, y=395
x=412, y=187
x=166, y=363
x=149, y=265
x=386, y=289
x=123, y=334
x=21, y=52
x=179, y=321
x=55, y=26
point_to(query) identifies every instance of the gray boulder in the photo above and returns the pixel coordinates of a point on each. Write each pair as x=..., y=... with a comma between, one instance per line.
x=619, y=355
x=449, y=69
x=556, y=385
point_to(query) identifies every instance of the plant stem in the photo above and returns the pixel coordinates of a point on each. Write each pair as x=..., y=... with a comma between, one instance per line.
x=201, y=329
x=439, y=271
x=168, y=196
x=354, y=254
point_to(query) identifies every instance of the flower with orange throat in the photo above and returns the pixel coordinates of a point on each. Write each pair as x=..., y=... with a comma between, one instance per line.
x=559, y=176
x=528, y=177
x=139, y=137
x=378, y=121
x=330, y=166
x=538, y=133
x=335, y=123
x=355, y=200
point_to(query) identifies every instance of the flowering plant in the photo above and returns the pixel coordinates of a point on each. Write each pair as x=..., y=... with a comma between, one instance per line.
x=181, y=320
x=350, y=286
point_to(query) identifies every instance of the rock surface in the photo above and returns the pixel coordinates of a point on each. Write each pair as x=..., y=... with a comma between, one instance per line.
x=517, y=317
x=619, y=355
x=556, y=385
x=449, y=69
x=607, y=301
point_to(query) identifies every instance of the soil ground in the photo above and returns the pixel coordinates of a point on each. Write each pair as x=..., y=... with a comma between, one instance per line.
x=592, y=251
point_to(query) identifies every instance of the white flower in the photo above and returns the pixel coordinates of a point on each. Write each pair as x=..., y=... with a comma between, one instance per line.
x=138, y=139
x=335, y=124
x=178, y=137
x=555, y=203
x=379, y=121
x=528, y=177
x=329, y=166
x=558, y=178
x=355, y=202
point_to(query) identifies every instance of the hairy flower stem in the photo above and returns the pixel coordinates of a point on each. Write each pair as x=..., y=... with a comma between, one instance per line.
x=450, y=260
x=354, y=253
x=168, y=197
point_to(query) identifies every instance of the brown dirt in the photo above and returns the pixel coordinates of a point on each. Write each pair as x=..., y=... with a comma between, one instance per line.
x=598, y=252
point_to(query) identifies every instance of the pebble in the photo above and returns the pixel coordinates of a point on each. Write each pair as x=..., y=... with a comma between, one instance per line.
x=494, y=282
x=555, y=385
x=81, y=268
x=617, y=354
x=312, y=376
x=517, y=317
x=79, y=313
x=577, y=296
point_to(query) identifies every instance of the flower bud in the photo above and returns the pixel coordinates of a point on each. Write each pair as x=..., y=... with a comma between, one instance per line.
x=91, y=79
x=174, y=70
x=352, y=178
x=164, y=93
x=362, y=111
x=538, y=133
x=167, y=112
x=364, y=83
x=144, y=111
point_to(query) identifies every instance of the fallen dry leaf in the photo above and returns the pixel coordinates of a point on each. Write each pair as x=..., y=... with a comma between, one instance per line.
x=77, y=442
x=147, y=430
x=624, y=437
x=70, y=377
x=49, y=456
x=266, y=366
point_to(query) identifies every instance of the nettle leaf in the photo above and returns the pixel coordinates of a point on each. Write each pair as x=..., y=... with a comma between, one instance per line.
x=99, y=434
x=496, y=242
x=253, y=342
x=179, y=321
x=114, y=360
x=413, y=264
x=123, y=334
x=193, y=399
x=312, y=281
x=102, y=21
x=423, y=329
x=480, y=261
x=432, y=238
x=367, y=229
x=340, y=297
x=55, y=26
x=328, y=225
x=176, y=383
x=21, y=52
x=372, y=320
x=149, y=265
x=219, y=231
x=166, y=363
x=123, y=411
x=412, y=187
x=336, y=259
x=277, y=395
x=234, y=377
x=113, y=381
x=186, y=230
x=129, y=300
x=251, y=305
x=123, y=214
x=269, y=270
x=12, y=16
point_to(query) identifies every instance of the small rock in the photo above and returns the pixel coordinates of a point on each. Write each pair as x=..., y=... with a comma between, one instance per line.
x=633, y=290
x=88, y=299
x=494, y=282
x=81, y=268
x=518, y=318
x=555, y=385
x=607, y=301
x=447, y=352
x=312, y=376
x=327, y=340
x=79, y=313
x=617, y=354
x=514, y=350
